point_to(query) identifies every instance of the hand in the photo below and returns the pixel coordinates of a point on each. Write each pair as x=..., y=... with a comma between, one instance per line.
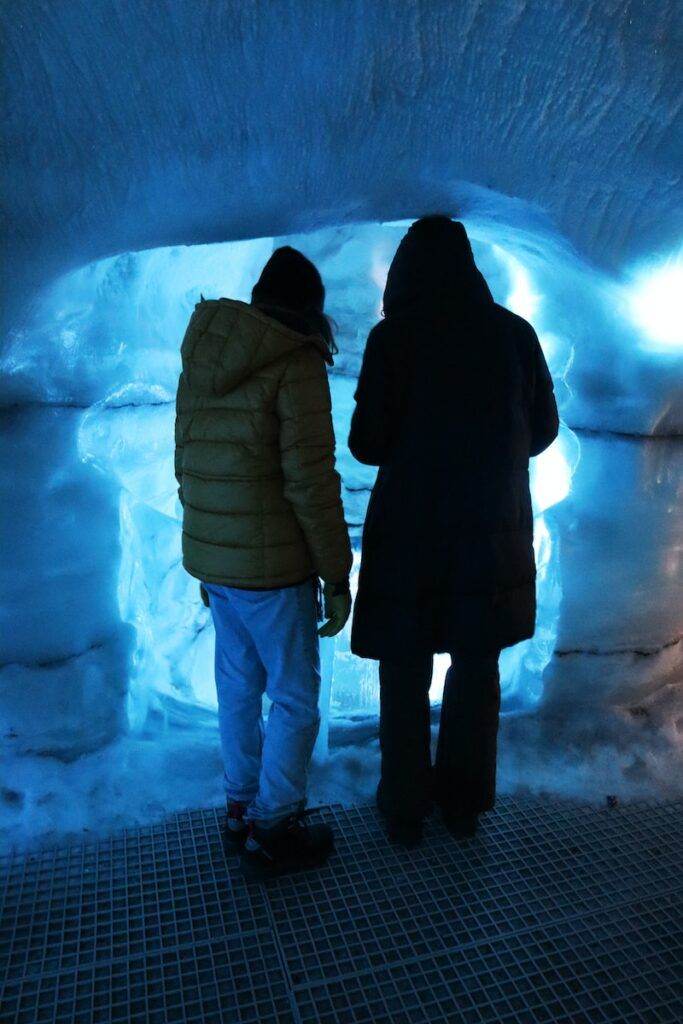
x=204, y=595
x=337, y=608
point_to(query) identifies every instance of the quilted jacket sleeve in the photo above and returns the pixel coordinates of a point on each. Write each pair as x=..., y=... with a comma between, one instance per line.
x=312, y=485
x=179, y=434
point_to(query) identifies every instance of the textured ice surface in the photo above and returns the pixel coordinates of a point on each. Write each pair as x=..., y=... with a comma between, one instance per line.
x=132, y=126
x=620, y=633
x=65, y=649
x=112, y=331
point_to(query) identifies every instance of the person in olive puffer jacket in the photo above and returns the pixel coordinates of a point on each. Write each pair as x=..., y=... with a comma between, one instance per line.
x=262, y=522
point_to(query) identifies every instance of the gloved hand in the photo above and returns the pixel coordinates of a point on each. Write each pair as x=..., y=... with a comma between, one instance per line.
x=337, y=598
x=204, y=595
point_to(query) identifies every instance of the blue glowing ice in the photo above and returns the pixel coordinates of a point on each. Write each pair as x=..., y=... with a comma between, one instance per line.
x=126, y=435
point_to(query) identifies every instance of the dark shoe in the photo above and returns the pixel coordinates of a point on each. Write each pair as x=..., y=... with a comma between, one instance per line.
x=234, y=832
x=404, y=833
x=291, y=845
x=462, y=826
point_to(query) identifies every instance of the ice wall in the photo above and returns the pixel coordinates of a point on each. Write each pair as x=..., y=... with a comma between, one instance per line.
x=106, y=337
x=65, y=649
x=107, y=641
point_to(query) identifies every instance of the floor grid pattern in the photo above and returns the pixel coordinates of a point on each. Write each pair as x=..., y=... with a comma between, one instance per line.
x=555, y=912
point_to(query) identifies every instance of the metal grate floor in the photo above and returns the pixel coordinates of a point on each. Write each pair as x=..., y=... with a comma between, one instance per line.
x=555, y=912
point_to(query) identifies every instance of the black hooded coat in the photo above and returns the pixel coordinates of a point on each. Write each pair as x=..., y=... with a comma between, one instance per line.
x=453, y=398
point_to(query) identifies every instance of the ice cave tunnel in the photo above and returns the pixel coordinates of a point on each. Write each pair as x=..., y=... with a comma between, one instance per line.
x=106, y=669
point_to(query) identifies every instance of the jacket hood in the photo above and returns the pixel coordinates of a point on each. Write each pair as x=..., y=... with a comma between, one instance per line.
x=290, y=280
x=227, y=341
x=434, y=266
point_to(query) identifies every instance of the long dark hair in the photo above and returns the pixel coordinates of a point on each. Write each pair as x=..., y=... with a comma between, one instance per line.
x=291, y=290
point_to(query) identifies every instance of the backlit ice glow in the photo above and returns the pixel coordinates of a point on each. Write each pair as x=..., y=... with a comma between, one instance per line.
x=127, y=436
x=102, y=345
x=655, y=299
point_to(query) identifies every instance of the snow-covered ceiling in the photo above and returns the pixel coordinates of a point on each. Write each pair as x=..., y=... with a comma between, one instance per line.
x=130, y=124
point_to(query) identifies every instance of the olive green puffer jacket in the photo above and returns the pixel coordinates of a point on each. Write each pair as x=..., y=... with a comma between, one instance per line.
x=254, y=452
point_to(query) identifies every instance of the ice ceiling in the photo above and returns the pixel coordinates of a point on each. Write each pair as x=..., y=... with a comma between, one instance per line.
x=153, y=152
x=130, y=126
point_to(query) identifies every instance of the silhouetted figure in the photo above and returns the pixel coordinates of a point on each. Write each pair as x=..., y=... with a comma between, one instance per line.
x=262, y=521
x=454, y=396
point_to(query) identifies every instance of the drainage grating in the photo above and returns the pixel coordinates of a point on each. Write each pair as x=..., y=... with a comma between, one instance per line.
x=163, y=886
x=379, y=905
x=555, y=912
x=601, y=967
x=229, y=980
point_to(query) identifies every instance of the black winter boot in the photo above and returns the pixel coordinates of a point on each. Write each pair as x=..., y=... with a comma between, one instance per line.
x=404, y=833
x=290, y=845
x=463, y=826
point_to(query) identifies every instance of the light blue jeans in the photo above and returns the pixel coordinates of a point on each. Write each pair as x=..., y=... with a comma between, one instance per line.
x=267, y=641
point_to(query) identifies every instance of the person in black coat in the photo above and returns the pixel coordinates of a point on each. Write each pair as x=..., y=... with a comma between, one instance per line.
x=453, y=398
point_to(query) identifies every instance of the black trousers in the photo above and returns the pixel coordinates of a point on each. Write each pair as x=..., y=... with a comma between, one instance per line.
x=463, y=779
